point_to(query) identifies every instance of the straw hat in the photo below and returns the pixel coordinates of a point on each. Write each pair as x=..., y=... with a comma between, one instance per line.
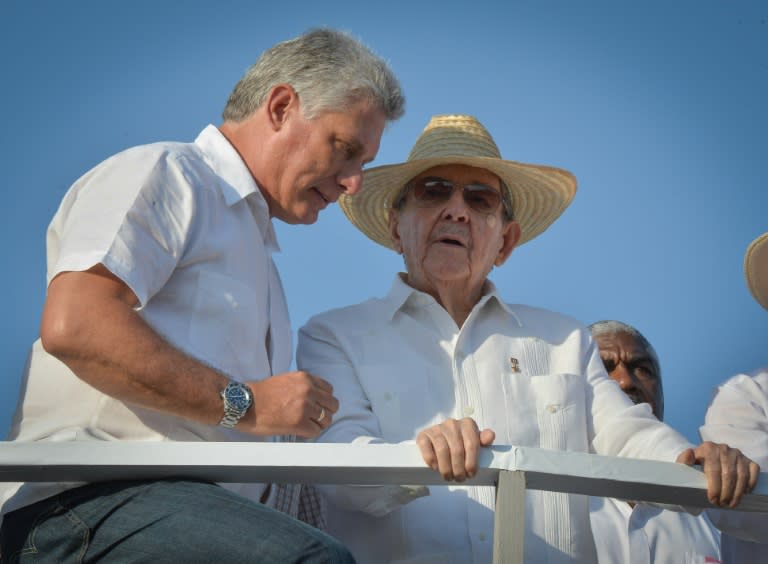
x=539, y=193
x=756, y=269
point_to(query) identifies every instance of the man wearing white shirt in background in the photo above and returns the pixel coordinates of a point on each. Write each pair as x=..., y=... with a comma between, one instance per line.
x=443, y=360
x=639, y=533
x=738, y=414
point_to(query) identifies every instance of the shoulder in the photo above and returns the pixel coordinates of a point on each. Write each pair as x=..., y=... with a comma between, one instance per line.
x=539, y=314
x=545, y=322
x=754, y=382
x=167, y=167
x=156, y=152
x=140, y=164
x=752, y=386
x=348, y=319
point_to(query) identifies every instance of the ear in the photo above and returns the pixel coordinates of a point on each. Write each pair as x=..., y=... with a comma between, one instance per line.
x=510, y=235
x=281, y=100
x=394, y=231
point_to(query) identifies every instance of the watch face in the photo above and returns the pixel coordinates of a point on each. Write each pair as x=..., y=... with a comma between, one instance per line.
x=238, y=398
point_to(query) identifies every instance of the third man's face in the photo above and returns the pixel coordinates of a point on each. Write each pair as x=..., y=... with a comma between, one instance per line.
x=629, y=362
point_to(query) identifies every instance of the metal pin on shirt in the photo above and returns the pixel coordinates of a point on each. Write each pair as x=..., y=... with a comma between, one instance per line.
x=515, y=364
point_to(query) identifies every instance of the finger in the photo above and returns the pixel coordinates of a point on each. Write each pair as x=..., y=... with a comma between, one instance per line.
x=471, y=438
x=742, y=479
x=708, y=456
x=308, y=430
x=729, y=468
x=754, y=474
x=321, y=416
x=487, y=436
x=326, y=399
x=687, y=457
x=427, y=450
x=322, y=384
x=442, y=455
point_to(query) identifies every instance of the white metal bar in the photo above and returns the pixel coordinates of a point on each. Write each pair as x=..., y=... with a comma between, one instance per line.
x=639, y=480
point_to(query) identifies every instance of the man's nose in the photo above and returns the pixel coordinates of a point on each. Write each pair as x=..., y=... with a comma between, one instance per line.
x=456, y=208
x=350, y=180
x=624, y=377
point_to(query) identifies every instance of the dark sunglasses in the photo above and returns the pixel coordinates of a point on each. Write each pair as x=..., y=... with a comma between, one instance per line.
x=432, y=191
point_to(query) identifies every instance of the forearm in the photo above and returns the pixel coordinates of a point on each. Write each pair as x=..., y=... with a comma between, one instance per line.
x=91, y=326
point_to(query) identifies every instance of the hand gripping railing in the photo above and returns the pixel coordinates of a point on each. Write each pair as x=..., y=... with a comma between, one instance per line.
x=511, y=469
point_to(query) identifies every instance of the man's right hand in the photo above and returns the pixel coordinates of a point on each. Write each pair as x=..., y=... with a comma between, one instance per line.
x=292, y=403
x=91, y=324
x=452, y=448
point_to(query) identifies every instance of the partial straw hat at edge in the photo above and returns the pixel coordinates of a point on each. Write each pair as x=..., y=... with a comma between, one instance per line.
x=539, y=193
x=756, y=269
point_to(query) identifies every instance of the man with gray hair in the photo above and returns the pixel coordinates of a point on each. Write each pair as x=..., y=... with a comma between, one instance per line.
x=165, y=318
x=626, y=531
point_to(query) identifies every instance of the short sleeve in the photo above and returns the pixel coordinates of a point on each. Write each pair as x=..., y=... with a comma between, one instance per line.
x=133, y=213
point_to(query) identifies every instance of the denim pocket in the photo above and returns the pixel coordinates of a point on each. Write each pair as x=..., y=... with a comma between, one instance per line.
x=56, y=534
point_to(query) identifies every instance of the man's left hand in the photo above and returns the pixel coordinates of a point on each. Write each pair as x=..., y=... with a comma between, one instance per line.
x=729, y=473
x=452, y=447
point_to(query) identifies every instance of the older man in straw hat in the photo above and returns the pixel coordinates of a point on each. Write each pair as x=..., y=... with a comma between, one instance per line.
x=443, y=359
x=738, y=415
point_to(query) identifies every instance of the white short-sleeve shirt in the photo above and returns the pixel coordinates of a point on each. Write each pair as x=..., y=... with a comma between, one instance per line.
x=185, y=226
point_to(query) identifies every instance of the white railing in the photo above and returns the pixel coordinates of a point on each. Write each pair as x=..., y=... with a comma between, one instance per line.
x=511, y=469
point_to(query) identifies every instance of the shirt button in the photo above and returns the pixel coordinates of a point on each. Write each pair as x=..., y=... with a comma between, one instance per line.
x=388, y=396
x=469, y=410
x=481, y=536
x=552, y=408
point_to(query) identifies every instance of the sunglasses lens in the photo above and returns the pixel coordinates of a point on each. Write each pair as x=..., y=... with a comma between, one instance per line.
x=481, y=198
x=433, y=190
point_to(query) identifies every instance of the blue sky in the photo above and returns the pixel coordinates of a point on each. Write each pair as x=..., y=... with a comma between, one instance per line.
x=658, y=108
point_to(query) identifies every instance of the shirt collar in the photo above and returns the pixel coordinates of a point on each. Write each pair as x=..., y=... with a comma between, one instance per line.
x=236, y=183
x=401, y=294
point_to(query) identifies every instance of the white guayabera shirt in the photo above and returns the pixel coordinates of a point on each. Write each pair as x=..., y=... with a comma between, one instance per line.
x=649, y=534
x=738, y=416
x=186, y=228
x=400, y=364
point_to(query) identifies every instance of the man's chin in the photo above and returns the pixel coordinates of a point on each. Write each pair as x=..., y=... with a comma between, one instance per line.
x=300, y=217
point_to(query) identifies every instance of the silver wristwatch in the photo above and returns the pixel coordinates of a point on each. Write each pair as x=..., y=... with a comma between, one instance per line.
x=237, y=399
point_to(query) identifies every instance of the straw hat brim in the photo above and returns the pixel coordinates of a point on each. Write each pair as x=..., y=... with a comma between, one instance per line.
x=756, y=269
x=539, y=193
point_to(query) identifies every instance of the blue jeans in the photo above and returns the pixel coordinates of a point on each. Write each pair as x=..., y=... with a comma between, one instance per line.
x=160, y=521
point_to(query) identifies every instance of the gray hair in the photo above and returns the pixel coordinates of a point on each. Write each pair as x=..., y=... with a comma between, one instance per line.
x=329, y=70
x=612, y=327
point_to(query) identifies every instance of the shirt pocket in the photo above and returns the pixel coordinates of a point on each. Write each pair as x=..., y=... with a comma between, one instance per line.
x=560, y=408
